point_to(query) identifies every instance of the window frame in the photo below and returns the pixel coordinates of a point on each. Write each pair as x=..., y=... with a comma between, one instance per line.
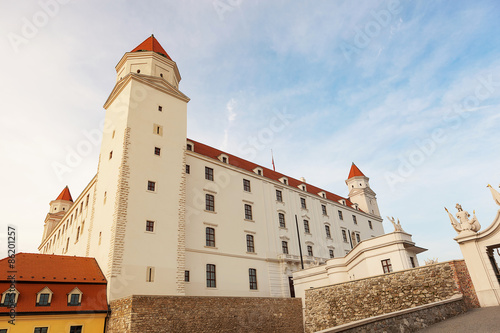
x=209, y=237
x=344, y=236
x=284, y=247
x=328, y=231
x=307, y=229
x=303, y=203
x=354, y=219
x=281, y=220
x=252, y=278
x=209, y=202
x=331, y=253
x=279, y=196
x=248, y=212
x=310, y=252
x=250, y=243
x=157, y=151
x=150, y=225
x=211, y=277
x=246, y=185
x=209, y=173
x=386, y=265
x=151, y=186
x=323, y=208
x=341, y=216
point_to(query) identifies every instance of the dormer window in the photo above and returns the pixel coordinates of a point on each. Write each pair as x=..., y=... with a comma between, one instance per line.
x=302, y=187
x=259, y=171
x=10, y=297
x=223, y=158
x=322, y=194
x=189, y=146
x=284, y=180
x=44, y=297
x=342, y=201
x=75, y=297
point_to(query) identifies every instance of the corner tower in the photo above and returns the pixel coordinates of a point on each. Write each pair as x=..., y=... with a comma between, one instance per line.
x=360, y=192
x=137, y=228
x=58, y=208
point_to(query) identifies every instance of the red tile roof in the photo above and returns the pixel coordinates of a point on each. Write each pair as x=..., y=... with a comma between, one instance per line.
x=54, y=268
x=208, y=151
x=151, y=44
x=61, y=274
x=65, y=195
x=355, y=172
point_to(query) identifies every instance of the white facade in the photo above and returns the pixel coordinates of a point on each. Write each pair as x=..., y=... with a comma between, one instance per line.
x=157, y=225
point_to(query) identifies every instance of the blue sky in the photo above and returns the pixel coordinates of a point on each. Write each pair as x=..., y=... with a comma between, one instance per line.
x=408, y=90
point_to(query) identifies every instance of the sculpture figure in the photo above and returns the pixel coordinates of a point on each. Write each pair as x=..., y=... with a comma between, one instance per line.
x=465, y=223
x=397, y=226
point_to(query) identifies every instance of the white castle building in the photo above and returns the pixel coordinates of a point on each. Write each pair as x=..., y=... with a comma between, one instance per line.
x=166, y=215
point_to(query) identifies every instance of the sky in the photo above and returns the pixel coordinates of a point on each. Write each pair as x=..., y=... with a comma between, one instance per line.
x=407, y=90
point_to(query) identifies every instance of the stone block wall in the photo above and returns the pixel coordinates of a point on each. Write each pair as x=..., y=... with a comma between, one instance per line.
x=342, y=303
x=138, y=314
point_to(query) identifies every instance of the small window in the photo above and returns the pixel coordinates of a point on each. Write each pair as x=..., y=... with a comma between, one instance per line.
x=252, y=275
x=150, y=274
x=210, y=237
x=209, y=202
x=151, y=186
x=303, y=203
x=358, y=238
x=224, y=159
x=324, y=195
x=44, y=300
x=303, y=187
x=188, y=168
x=248, y=212
x=158, y=129
x=370, y=224
x=211, y=282
x=331, y=253
x=75, y=329
x=323, y=208
x=157, y=151
x=74, y=300
x=150, y=226
x=250, y=244
x=306, y=227
x=309, y=250
x=161, y=74
x=87, y=200
x=281, y=218
x=386, y=266
x=327, y=230
x=284, y=247
x=412, y=262
x=160, y=108
x=189, y=147
x=284, y=181
x=209, y=173
x=246, y=185
x=110, y=154
x=37, y=330
x=340, y=215
x=138, y=71
x=279, y=196
x=186, y=276
x=77, y=235
x=354, y=219
x=344, y=236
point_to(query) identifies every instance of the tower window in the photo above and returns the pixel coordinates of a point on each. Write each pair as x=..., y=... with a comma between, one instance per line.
x=248, y=212
x=323, y=208
x=150, y=274
x=151, y=186
x=209, y=173
x=358, y=238
x=284, y=247
x=211, y=282
x=138, y=71
x=110, y=154
x=186, y=276
x=340, y=215
x=189, y=147
x=331, y=253
x=157, y=129
x=306, y=227
x=157, y=151
x=281, y=218
x=209, y=202
x=246, y=185
x=161, y=74
x=279, y=196
x=303, y=203
x=250, y=244
x=344, y=236
x=354, y=219
x=188, y=168
x=386, y=266
x=150, y=226
x=327, y=230
x=309, y=250
x=210, y=237
x=252, y=276
x=370, y=224
x=160, y=108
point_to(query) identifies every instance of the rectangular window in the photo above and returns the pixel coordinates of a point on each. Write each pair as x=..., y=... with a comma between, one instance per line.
x=354, y=219
x=306, y=227
x=246, y=185
x=412, y=262
x=358, y=238
x=284, y=247
x=110, y=154
x=150, y=226
x=211, y=283
x=87, y=200
x=303, y=203
x=370, y=224
x=327, y=230
x=209, y=173
x=252, y=276
x=248, y=212
x=186, y=276
x=44, y=300
x=10, y=299
x=386, y=266
x=74, y=299
x=309, y=250
x=340, y=215
x=189, y=147
x=150, y=274
x=210, y=237
x=157, y=151
x=279, y=196
x=224, y=159
x=331, y=253
x=281, y=218
x=151, y=185
x=250, y=244
x=75, y=329
x=323, y=208
x=209, y=202
x=157, y=129
x=160, y=108
x=37, y=330
x=188, y=168
x=344, y=236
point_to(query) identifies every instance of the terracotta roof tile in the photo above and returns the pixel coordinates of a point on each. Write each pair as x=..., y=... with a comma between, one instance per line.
x=65, y=195
x=355, y=172
x=151, y=44
x=208, y=151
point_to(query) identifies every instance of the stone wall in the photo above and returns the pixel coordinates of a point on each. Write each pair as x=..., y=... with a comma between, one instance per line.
x=342, y=303
x=138, y=314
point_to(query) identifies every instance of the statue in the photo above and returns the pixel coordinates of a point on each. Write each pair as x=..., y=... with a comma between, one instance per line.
x=397, y=226
x=495, y=194
x=464, y=224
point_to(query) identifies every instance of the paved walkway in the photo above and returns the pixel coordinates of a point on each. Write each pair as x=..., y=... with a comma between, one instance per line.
x=482, y=320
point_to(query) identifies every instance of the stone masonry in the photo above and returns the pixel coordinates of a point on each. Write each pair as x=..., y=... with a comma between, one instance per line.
x=138, y=314
x=342, y=303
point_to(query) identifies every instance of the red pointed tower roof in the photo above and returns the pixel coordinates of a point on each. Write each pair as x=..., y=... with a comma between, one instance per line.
x=151, y=44
x=355, y=172
x=65, y=195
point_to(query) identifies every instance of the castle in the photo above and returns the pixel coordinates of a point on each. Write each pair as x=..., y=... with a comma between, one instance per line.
x=166, y=215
